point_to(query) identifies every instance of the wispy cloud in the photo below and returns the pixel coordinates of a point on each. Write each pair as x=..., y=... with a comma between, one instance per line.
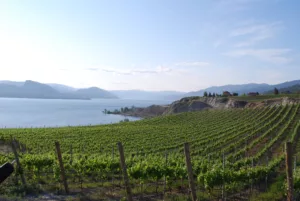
x=117, y=82
x=195, y=63
x=116, y=71
x=270, y=55
x=217, y=43
x=159, y=69
x=255, y=33
x=92, y=69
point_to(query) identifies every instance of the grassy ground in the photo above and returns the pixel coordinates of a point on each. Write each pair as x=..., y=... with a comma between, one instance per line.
x=264, y=97
x=274, y=193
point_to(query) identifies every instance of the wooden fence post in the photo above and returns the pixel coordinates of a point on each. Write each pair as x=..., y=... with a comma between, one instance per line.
x=13, y=143
x=190, y=171
x=124, y=170
x=62, y=168
x=289, y=170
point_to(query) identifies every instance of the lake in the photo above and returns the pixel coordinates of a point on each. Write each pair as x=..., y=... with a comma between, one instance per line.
x=16, y=112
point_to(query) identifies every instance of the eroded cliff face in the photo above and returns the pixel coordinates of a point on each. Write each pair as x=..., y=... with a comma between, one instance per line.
x=274, y=102
x=188, y=104
x=222, y=102
x=235, y=104
x=215, y=102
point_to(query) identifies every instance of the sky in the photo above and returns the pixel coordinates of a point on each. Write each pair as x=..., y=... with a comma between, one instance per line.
x=156, y=45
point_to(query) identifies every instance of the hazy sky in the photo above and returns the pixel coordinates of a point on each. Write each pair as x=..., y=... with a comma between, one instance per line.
x=150, y=44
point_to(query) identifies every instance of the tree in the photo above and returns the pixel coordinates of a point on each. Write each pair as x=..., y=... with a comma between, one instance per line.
x=235, y=94
x=205, y=94
x=214, y=95
x=257, y=93
x=276, y=92
x=209, y=94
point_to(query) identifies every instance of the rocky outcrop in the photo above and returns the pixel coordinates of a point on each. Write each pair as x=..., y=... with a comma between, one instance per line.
x=287, y=101
x=188, y=104
x=274, y=102
x=199, y=103
x=215, y=102
x=282, y=101
x=235, y=104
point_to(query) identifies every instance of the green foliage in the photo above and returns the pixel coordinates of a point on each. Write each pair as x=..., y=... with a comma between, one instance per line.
x=154, y=147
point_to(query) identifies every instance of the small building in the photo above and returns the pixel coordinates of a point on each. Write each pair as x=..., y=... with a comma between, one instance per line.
x=253, y=93
x=226, y=93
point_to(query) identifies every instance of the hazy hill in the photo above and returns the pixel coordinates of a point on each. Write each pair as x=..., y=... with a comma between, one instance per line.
x=14, y=83
x=62, y=88
x=243, y=88
x=293, y=89
x=94, y=92
x=36, y=88
x=32, y=89
x=287, y=84
x=148, y=95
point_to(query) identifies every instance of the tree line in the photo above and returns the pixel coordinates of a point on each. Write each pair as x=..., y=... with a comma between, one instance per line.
x=209, y=94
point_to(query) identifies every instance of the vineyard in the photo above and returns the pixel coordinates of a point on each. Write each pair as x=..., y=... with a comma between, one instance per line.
x=236, y=154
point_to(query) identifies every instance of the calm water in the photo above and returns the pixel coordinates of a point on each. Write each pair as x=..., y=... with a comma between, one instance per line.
x=50, y=113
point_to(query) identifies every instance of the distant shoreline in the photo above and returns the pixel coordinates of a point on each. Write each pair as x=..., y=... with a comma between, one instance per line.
x=140, y=112
x=70, y=126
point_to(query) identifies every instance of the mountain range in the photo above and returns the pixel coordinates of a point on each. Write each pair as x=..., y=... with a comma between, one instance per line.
x=148, y=95
x=32, y=89
x=244, y=88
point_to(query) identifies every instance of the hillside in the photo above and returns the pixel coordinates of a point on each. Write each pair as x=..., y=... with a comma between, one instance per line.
x=290, y=89
x=244, y=145
x=31, y=89
x=62, y=88
x=94, y=92
x=243, y=88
